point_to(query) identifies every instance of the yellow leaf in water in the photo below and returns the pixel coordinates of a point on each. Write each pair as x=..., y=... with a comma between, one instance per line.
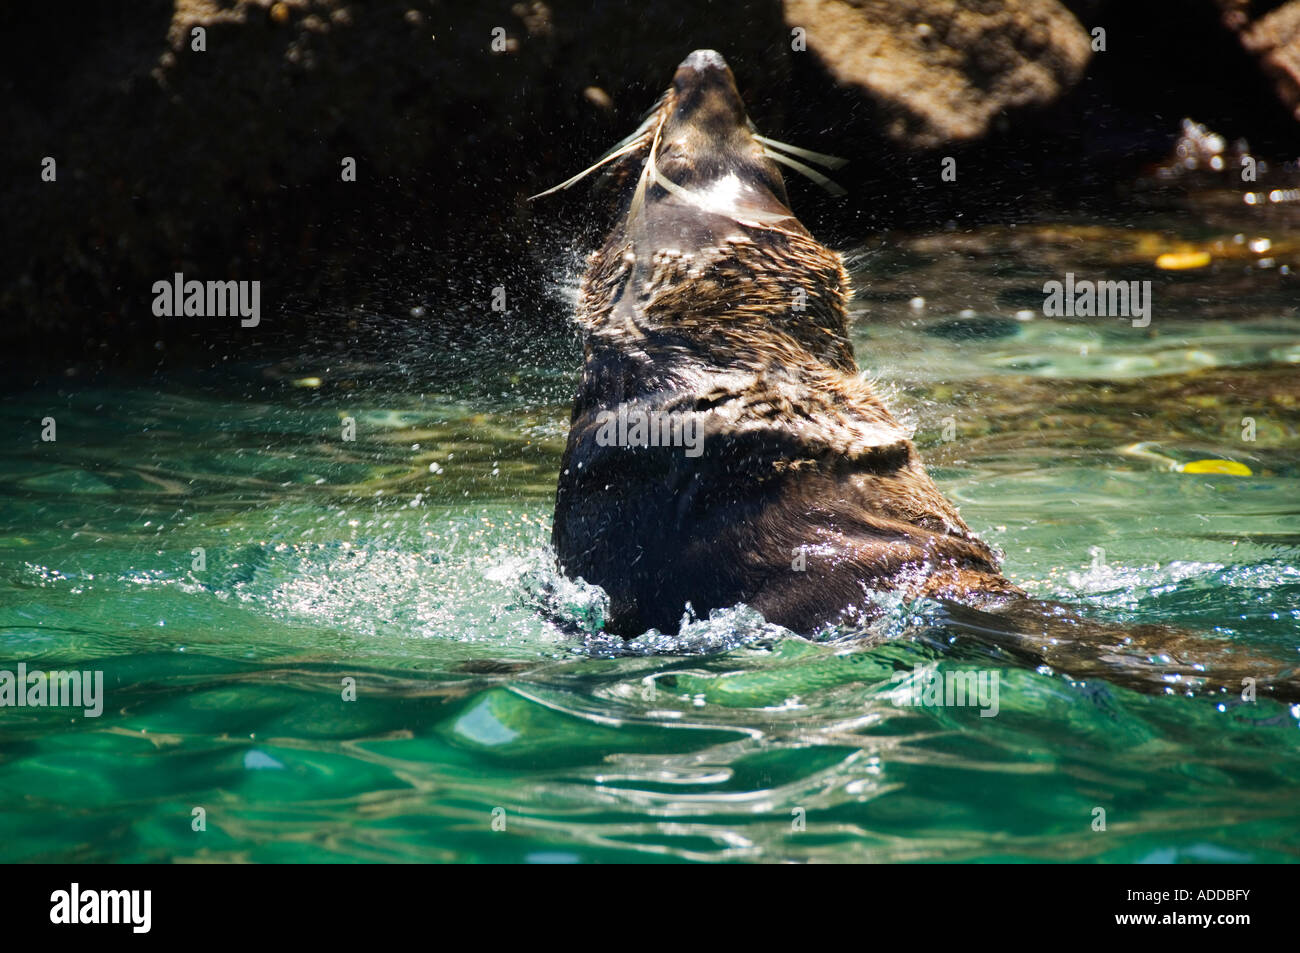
x=1182, y=260
x=1229, y=467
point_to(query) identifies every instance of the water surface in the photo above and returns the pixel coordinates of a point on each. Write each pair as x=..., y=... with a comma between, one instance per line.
x=494, y=722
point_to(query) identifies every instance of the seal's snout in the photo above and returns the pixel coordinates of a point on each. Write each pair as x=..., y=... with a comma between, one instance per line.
x=707, y=136
x=706, y=90
x=704, y=60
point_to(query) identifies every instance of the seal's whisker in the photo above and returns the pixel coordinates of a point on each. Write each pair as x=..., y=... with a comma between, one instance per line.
x=647, y=175
x=823, y=160
x=618, y=152
x=629, y=145
x=832, y=187
x=656, y=177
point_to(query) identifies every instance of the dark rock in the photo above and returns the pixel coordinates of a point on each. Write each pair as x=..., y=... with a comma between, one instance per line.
x=944, y=69
x=225, y=164
x=1274, y=37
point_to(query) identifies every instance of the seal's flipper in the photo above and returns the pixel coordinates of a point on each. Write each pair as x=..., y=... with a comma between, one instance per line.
x=1149, y=658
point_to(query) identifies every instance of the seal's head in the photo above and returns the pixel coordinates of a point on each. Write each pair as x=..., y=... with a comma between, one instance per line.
x=697, y=146
x=707, y=145
x=706, y=243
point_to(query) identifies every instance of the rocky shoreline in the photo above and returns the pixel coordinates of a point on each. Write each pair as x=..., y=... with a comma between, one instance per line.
x=213, y=138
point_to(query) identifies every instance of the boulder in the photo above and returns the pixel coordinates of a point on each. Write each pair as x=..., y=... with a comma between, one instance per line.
x=1274, y=39
x=944, y=69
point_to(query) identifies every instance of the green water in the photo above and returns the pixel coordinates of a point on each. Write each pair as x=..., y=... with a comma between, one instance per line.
x=413, y=560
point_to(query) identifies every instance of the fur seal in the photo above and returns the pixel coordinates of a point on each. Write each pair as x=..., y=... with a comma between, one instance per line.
x=724, y=448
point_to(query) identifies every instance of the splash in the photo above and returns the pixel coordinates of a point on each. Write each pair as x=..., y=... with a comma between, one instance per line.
x=723, y=631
